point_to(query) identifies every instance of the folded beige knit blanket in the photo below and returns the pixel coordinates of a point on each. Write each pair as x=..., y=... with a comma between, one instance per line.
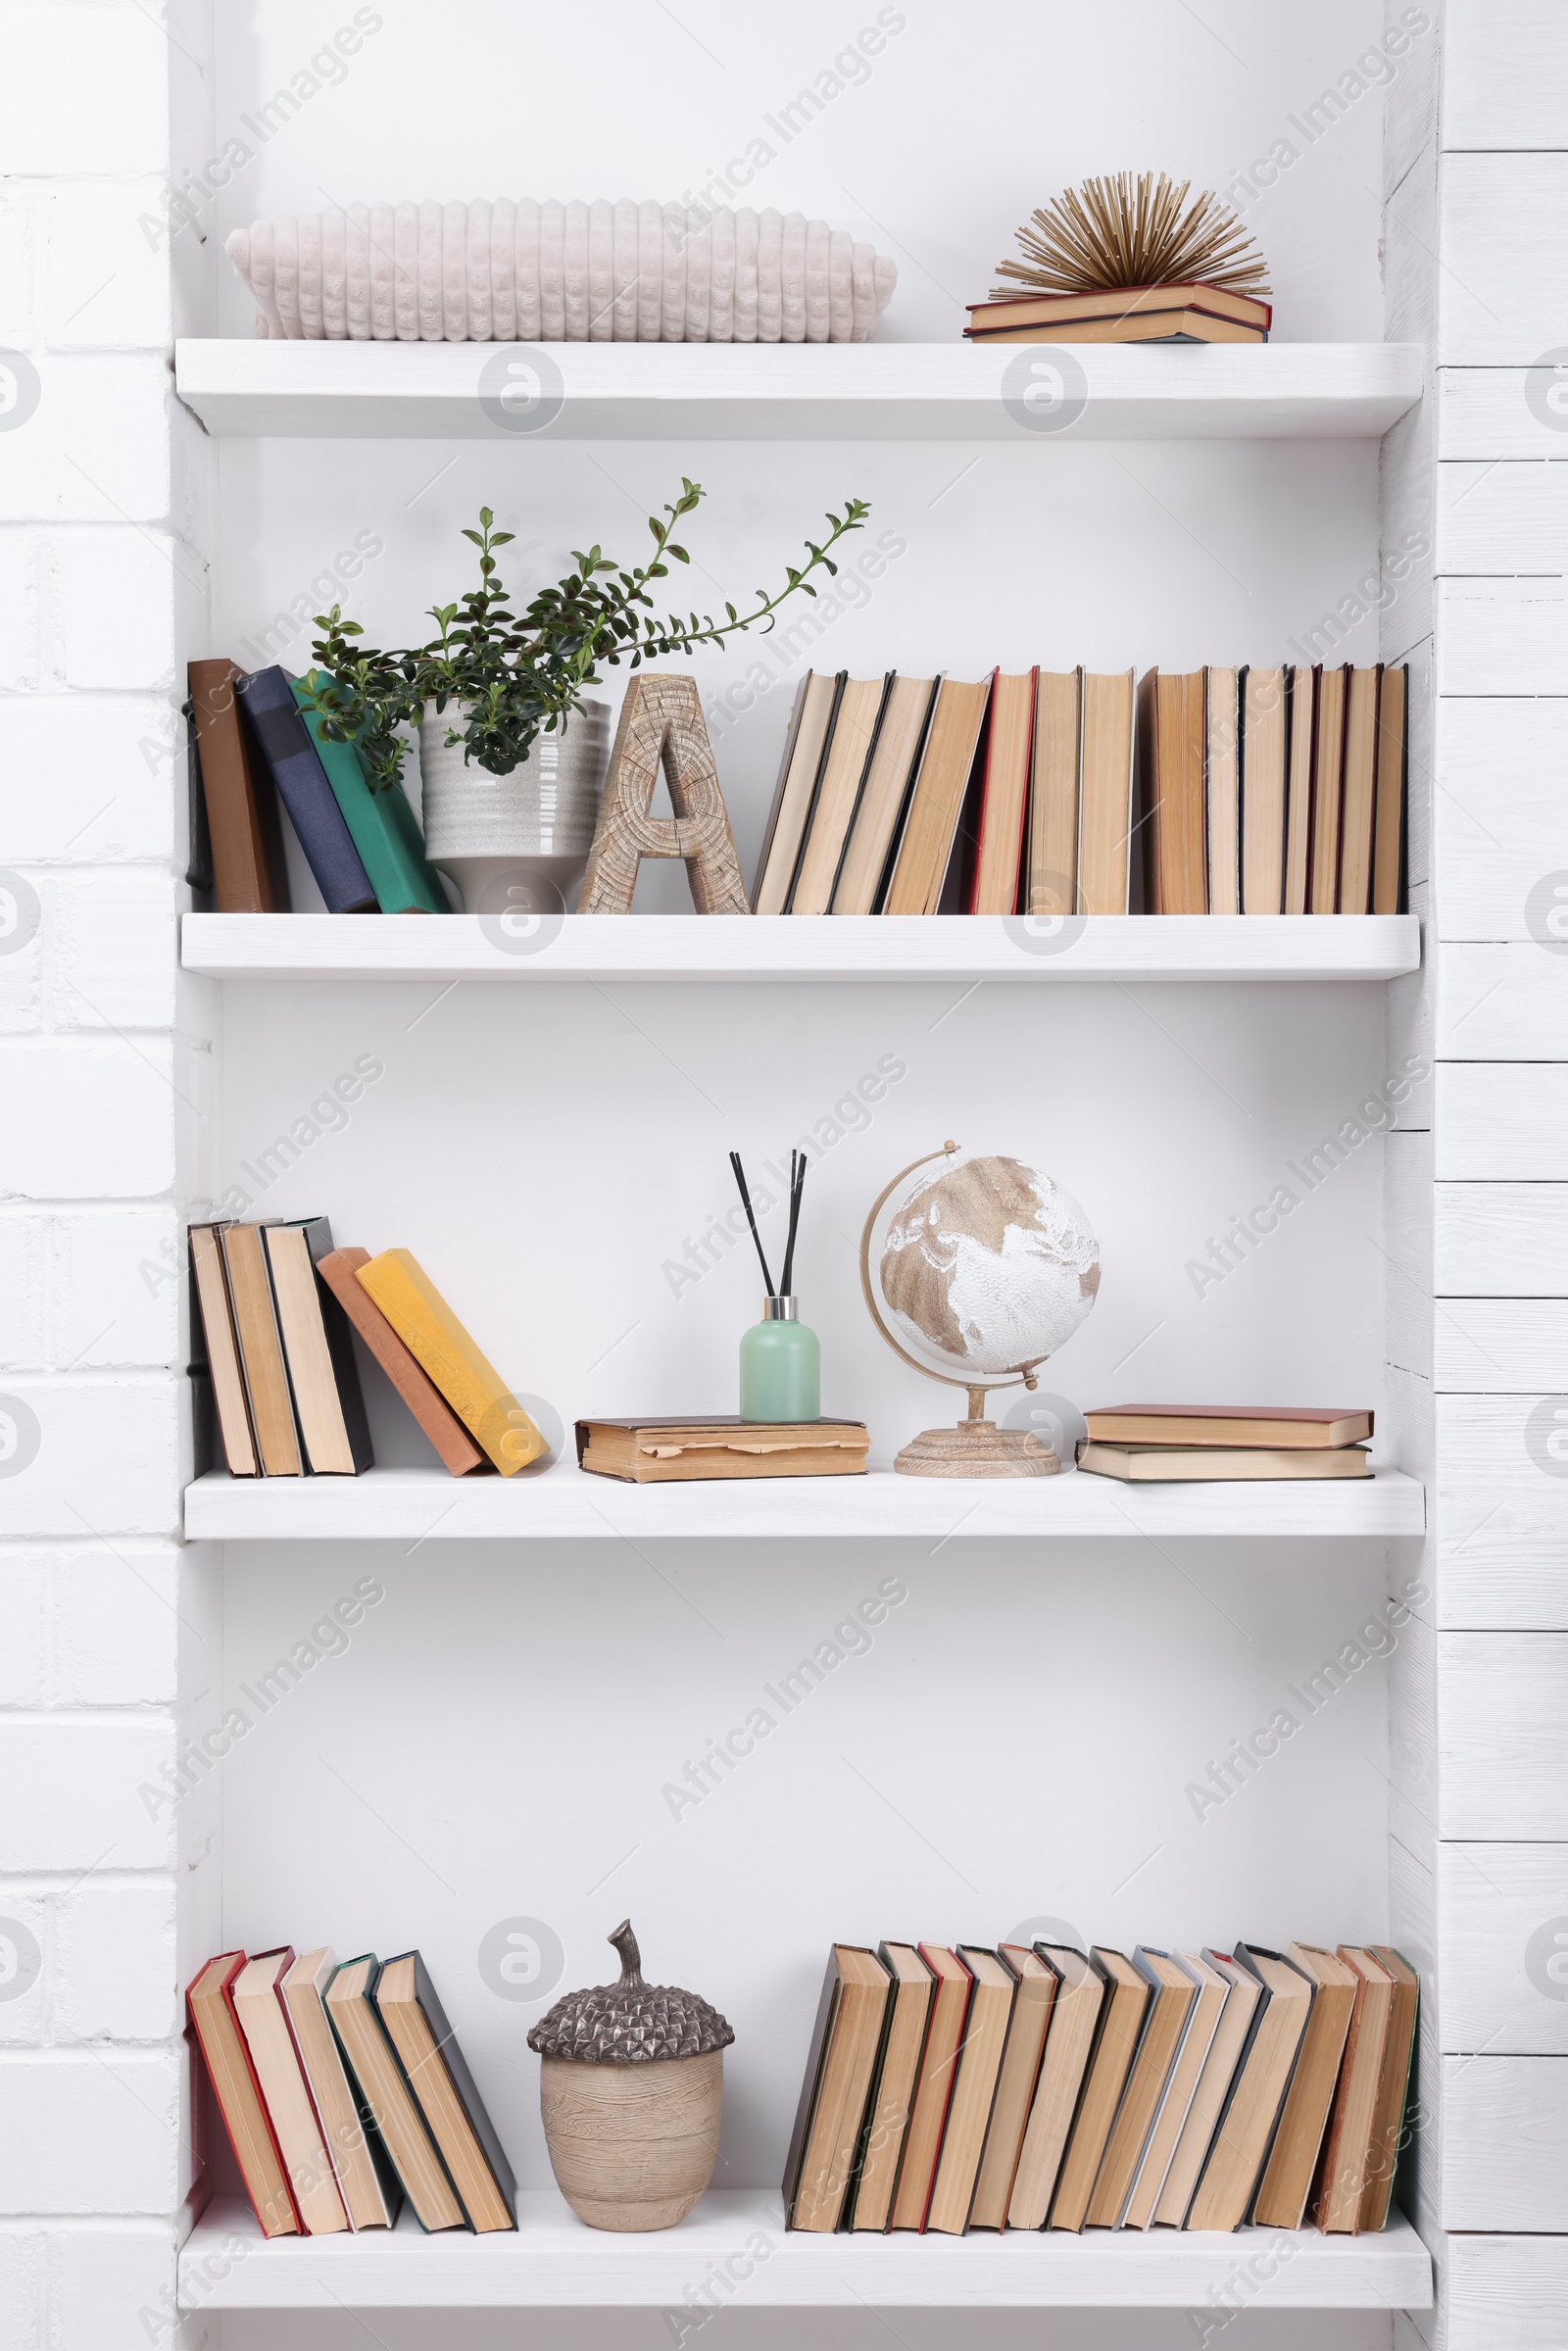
x=526, y=272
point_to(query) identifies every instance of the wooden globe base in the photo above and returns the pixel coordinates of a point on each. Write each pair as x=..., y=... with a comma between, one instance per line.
x=977, y=1448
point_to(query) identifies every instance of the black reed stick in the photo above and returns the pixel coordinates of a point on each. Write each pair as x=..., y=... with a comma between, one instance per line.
x=796, y=1187
x=769, y=1290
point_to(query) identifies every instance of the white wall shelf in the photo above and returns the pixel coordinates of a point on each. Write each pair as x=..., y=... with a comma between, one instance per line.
x=798, y=392
x=412, y=1505
x=694, y=947
x=555, y=2262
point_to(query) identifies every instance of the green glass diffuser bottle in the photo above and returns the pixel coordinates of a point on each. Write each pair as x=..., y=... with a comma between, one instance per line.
x=781, y=1363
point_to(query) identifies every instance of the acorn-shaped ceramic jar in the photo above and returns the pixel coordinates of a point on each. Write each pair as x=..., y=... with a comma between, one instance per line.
x=631, y=2087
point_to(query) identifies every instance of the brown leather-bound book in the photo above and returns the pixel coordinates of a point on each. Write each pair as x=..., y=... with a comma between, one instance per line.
x=1172, y=740
x=1360, y=778
x=250, y=875
x=1388, y=849
x=418, y=1392
x=1328, y=789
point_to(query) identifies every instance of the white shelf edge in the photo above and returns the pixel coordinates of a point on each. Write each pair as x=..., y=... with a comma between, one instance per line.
x=866, y=391
x=563, y=1503
x=553, y=2261
x=1201, y=948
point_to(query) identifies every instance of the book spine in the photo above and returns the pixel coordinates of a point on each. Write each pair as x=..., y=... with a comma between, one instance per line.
x=289, y=757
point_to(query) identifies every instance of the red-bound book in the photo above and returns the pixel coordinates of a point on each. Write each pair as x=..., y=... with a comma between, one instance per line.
x=938, y=2066
x=1004, y=794
x=210, y=2004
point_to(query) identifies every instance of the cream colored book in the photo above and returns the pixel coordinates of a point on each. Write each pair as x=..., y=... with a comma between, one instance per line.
x=264, y=2025
x=1106, y=795
x=1165, y=2030
x=892, y=2090
x=1213, y=1991
x=1360, y=792
x=1343, y=2177
x=1213, y=2089
x=1298, y=788
x=786, y=825
x=1223, y=792
x=1128, y=1995
x=894, y=760
x=1031, y=2004
x=365, y=2195
x=1074, y=2018
x=985, y=2036
x=1287, y=2182
x=1263, y=793
x=1053, y=871
x=838, y=794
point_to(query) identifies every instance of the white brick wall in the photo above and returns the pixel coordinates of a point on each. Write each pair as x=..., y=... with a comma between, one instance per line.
x=101, y=594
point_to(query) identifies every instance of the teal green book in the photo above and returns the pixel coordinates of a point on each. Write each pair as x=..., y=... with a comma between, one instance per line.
x=381, y=824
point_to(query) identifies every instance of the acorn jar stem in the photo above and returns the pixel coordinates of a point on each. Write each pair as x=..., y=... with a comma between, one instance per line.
x=781, y=1366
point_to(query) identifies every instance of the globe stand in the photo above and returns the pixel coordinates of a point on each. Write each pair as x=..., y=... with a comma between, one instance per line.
x=975, y=1448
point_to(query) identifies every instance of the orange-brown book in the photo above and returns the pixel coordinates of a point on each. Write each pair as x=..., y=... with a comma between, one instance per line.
x=995, y=887
x=223, y=1352
x=1172, y=741
x=1118, y=302
x=1328, y=789
x=210, y=2003
x=1052, y=828
x=1173, y=1995
x=250, y=875
x=1360, y=791
x=985, y=2037
x=429, y=1407
x=1347, y=2150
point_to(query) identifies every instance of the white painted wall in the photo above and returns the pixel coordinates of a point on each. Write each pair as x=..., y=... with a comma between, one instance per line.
x=511, y=1717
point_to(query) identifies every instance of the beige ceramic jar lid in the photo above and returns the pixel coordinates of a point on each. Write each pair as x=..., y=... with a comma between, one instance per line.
x=630, y=2022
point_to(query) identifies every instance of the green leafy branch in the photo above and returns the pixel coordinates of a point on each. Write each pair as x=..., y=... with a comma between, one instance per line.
x=512, y=674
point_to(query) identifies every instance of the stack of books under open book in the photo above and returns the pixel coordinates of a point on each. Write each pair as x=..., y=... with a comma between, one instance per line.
x=1250, y=791
x=276, y=1302
x=1148, y=1444
x=1186, y=313
x=1031, y=2087
x=342, y=2091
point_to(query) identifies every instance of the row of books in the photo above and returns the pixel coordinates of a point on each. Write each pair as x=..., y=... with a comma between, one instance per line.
x=259, y=747
x=1146, y=1444
x=1033, y=2087
x=342, y=2089
x=276, y=1302
x=1254, y=791
x=1182, y=312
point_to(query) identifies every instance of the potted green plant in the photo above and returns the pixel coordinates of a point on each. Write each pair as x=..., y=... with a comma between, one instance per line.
x=512, y=748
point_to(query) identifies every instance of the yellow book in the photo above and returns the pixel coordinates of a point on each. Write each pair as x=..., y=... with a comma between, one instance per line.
x=432, y=1334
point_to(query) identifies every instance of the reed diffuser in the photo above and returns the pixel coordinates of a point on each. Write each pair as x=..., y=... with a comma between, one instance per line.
x=781, y=1363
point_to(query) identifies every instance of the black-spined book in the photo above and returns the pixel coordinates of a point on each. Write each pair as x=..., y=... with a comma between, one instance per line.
x=289, y=757
x=373, y=2063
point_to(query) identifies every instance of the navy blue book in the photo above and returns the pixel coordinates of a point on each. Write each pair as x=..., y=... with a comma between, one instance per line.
x=278, y=732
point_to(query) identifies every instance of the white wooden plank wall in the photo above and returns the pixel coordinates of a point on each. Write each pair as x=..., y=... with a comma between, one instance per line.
x=1496, y=945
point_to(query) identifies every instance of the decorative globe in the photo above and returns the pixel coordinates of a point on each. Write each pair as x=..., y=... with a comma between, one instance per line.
x=987, y=1266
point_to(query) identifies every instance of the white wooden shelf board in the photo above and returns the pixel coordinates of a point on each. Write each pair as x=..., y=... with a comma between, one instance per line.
x=798, y=392
x=694, y=946
x=563, y=1502
x=553, y=2261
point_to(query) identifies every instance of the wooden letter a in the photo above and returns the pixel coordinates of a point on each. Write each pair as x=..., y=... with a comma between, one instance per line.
x=661, y=719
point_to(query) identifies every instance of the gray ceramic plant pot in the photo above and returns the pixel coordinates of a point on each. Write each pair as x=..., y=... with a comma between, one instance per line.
x=536, y=823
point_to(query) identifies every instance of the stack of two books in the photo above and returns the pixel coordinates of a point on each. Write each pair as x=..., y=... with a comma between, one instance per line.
x=1148, y=1444
x=1189, y=313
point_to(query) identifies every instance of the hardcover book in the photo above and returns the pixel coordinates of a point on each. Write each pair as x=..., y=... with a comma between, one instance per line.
x=210, y=2003
x=437, y=2075
x=372, y=2060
